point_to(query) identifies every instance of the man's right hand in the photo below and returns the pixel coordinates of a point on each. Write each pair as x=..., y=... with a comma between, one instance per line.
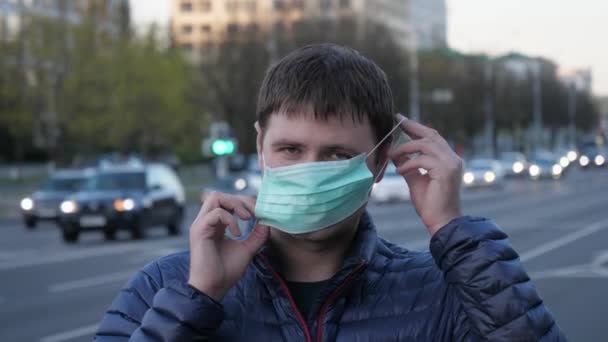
x=217, y=262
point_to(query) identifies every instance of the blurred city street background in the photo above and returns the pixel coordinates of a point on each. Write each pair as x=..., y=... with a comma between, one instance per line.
x=118, y=118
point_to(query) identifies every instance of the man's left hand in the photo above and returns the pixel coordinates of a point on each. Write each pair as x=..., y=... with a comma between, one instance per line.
x=436, y=194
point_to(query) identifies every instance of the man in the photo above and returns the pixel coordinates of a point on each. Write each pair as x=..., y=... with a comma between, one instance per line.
x=313, y=267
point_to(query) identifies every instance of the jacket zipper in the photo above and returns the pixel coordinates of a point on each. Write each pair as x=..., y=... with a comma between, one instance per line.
x=291, y=301
x=333, y=297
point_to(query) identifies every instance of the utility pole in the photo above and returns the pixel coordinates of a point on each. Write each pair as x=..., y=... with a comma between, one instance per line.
x=537, y=105
x=572, y=114
x=489, y=107
x=414, y=85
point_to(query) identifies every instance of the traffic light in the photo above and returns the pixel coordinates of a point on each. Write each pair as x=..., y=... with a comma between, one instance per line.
x=222, y=147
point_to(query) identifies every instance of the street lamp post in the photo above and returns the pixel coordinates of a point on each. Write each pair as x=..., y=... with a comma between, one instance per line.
x=537, y=105
x=489, y=108
x=414, y=86
x=572, y=113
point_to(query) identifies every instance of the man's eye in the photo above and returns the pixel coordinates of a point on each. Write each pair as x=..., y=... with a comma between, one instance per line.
x=340, y=156
x=290, y=150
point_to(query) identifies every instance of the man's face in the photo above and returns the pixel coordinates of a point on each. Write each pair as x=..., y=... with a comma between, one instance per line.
x=295, y=139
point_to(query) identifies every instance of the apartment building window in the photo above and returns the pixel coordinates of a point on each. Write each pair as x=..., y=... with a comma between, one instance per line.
x=251, y=5
x=206, y=6
x=344, y=3
x=186, y=6
x=231, y=5
x=278, y=26
x=298, y=4
x=325, y=4
x=232, y=29
x=206, y=29
x=253, y=28
x=279, y=5
x=187, y=29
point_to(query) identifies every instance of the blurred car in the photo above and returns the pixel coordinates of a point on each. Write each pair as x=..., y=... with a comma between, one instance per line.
x=545, y=168
x=593, y=155
x=563, y=156
x=131, y=198
x=392, y=187
x=44, y=203
x=483, y=173
x=514, y=163
x=231, y=184
x=245, y=183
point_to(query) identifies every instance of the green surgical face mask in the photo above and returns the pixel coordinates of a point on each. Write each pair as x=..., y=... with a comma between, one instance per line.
x=309, y=197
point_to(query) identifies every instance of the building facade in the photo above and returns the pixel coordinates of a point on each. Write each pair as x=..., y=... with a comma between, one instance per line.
x=199, y=24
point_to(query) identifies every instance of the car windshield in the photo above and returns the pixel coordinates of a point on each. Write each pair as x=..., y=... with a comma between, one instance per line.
x=117, y=181
x=480, y=165
x=64, y=184
x=544, y=162
x=511, y=156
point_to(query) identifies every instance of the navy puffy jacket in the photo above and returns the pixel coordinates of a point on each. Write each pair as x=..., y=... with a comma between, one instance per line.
x=471, y=287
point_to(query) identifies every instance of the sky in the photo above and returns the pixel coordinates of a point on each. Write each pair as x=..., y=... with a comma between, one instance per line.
x=573, y=33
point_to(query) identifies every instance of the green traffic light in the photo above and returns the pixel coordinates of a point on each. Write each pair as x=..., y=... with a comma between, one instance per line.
x=222, y=147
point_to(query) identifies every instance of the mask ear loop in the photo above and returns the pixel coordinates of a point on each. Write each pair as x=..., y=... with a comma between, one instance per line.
x=380, y=144
x=385, y=137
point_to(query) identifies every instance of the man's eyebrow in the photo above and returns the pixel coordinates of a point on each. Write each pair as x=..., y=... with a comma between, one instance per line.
x=337, y=147
x=286, y=142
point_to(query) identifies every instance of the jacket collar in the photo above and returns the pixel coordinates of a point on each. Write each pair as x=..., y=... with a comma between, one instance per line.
x=361, y=251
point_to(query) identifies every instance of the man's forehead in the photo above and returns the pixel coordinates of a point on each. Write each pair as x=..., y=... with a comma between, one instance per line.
x=344, y=130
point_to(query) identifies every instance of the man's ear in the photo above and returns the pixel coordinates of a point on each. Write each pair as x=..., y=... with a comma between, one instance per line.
x=383, y=159
x=259, y=140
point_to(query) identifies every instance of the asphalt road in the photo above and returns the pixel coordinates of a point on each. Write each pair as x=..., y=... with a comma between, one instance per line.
x=53, y=292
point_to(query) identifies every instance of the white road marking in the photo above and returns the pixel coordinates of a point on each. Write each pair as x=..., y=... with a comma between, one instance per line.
x=564, y=240
x=40, y=259
x=71, y=334
x=7, y=255
x=597, y=268
x=91, y=281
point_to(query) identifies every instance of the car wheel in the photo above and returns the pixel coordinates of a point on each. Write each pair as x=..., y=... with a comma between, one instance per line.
x=70, y=235
x=137, y=231
x=30, y=223
x=175, y=225
x=109, y=234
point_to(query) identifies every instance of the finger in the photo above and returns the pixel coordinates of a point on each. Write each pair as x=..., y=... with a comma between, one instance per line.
x=239, y=205
x=423, y=146
x=415, y=129
x=423, y=162
x=218, y=220
x=248, y=202
x=256, y=239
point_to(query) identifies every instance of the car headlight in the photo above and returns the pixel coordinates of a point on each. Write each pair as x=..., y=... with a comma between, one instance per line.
x=126, y=204
x=489, y=177
x=534, y=171
x=518, y=167
x=572, y=155
x=468, y=178
x=584, y=161
x=556, y=170
x=240, y=184
x=27, y=204
x=564, y=162
x=68, y=207
x=599, y=160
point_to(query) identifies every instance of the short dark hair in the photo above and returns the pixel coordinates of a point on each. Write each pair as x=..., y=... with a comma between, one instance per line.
x=332, y=81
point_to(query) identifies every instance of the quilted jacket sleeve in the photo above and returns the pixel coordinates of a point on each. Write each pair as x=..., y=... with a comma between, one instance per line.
x=496, y=301
x=146, y=309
